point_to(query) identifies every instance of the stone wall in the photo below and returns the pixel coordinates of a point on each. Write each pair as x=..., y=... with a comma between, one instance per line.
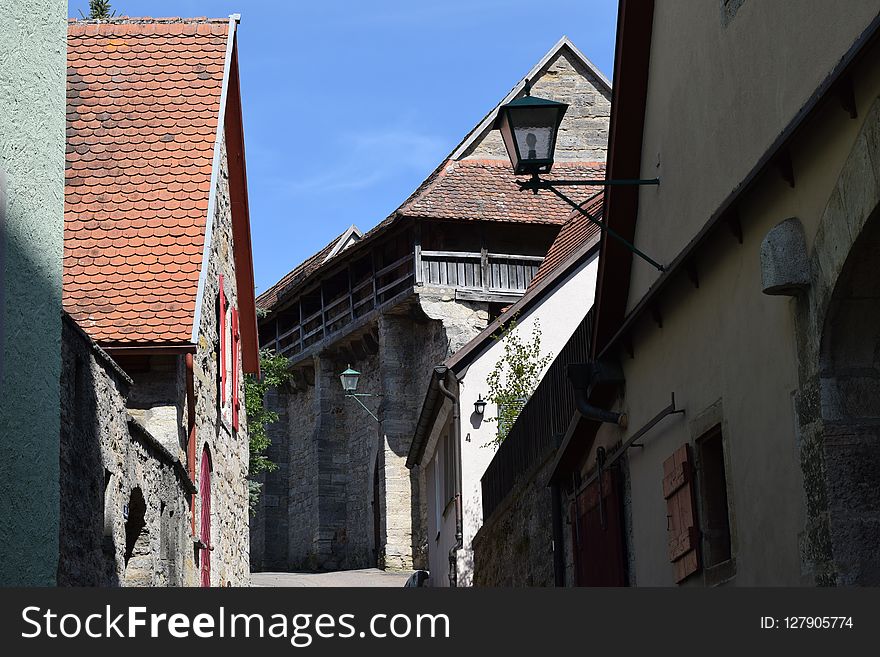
x=583, y=134
x=514, y=547
x=228, y=448
x=317, y=510
x=33, y=39
x=124, y=506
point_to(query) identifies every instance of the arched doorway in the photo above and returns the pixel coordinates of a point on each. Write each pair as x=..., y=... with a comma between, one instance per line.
x=849, y=384
x=837, y=401
x=138, y=560
x=205, y=522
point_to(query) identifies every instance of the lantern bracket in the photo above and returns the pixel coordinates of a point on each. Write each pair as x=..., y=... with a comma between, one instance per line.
x=356, y=396
x=536, y=182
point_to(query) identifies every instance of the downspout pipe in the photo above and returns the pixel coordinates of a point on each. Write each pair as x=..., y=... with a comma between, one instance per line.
x=441, y=373
x=558, y=536
x=191, y=434
x=584, y=377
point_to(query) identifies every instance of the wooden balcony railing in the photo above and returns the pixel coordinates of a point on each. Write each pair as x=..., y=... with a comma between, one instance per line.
x=304, y=324
x=490, y=272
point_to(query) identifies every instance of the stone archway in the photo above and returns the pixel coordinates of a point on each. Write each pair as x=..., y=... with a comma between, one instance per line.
x=138, y=558
x=837, y=336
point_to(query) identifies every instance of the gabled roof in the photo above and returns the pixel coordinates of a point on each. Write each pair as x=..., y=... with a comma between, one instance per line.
x=489, y=120
x=471, y=189
x=302, y=271
x=146, y=104
x=486, y=190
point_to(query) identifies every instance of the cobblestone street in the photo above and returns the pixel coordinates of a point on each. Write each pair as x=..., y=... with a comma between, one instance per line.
x=368, y=577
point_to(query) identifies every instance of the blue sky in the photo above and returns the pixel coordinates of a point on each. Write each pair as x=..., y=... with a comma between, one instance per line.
x=349, y=104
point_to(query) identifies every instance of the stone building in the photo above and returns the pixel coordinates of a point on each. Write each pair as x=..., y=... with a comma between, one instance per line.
x=158, y=275
x=764, y=469
x=392, y=303
x=454, y=440
x=32, y=61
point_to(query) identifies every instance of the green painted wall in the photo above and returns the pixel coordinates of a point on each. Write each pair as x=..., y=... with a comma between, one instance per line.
x=33, y=55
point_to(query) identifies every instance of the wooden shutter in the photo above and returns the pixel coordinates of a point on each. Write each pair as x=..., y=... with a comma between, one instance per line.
x=222, y=330
x=236, y=350
x=683, y=535
x=598, y=534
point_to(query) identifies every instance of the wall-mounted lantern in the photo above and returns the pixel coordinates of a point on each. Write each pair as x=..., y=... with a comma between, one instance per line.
x=349, y=379
x=529, y=126
x=480, y=405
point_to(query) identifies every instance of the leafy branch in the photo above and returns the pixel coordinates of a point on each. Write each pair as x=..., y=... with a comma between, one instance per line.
x=273, y=374
x=515, y=376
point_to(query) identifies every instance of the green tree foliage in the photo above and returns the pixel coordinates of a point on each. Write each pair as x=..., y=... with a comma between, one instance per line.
x=100, y=10
x=515, y=376
x=273, y=374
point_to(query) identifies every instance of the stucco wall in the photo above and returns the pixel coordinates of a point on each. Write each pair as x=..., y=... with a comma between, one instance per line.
x=727, y=351
x=32, y=106
x=719, y=93
x=558, y=315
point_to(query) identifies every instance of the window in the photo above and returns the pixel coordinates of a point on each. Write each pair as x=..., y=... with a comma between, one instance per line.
x=230, y=349
x=713, y=499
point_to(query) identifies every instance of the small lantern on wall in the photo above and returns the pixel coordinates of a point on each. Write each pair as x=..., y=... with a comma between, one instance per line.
x=480, y=405
x=529, y=126
x=349, y=379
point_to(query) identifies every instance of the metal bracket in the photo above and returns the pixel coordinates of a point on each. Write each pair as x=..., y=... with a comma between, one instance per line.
x=536, y=183
x=356, y=396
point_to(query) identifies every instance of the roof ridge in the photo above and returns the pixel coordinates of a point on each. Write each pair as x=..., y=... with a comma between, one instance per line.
x=145, y=20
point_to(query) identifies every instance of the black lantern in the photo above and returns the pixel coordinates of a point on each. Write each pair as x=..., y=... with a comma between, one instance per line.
x=480, y=405
x=528, y=127
x=349, y=379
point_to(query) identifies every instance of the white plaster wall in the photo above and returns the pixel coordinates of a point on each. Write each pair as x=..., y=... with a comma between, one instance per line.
x=559, y=315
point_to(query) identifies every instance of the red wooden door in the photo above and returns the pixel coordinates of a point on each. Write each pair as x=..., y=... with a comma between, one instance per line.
x=205, y=529
x=598, y=534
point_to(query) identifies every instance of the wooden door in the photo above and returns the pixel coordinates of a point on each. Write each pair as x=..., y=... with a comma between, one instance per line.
x=205, y=528
x=600, y=559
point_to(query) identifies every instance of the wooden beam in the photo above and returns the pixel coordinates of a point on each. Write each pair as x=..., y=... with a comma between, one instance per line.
x=785, y=166
x=691, y=269
x=847, y=95
x=731, y=218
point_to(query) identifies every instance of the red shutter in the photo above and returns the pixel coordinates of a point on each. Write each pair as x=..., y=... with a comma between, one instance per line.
x=598, y=534
x=205, y=525
x=236, y=349
x=683, y=537
x=222, y=329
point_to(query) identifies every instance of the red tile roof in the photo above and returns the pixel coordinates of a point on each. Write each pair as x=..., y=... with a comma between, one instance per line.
x=486, y=190
x=575, y=232
x=143, y=102
x=302, y=271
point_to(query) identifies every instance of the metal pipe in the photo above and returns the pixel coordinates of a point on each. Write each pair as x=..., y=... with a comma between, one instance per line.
x=591, y=412
x=191, y=433
x=440, y=373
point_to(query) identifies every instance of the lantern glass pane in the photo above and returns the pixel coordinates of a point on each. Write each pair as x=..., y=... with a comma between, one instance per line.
x=534, y=130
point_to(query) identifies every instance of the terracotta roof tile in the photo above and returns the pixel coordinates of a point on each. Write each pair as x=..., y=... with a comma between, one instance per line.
x=143, y=99
x=575, y=232
x=486, y=190
x=302, y=271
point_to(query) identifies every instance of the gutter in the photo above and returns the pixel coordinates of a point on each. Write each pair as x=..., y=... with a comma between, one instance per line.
x=440, y=373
